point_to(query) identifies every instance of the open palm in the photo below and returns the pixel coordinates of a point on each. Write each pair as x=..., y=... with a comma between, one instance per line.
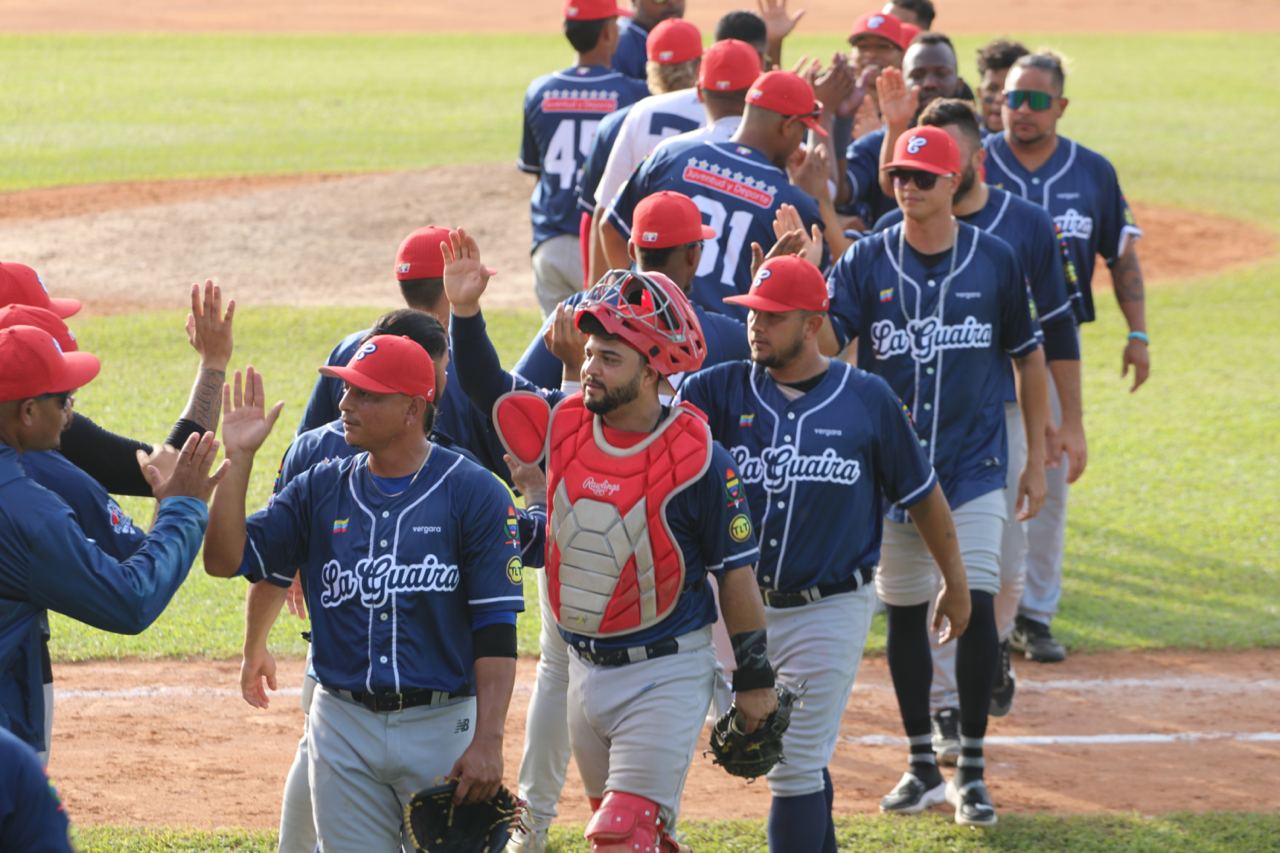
x=245, y=421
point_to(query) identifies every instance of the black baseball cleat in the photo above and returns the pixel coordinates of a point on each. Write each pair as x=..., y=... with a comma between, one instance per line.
x=1006, y=684
x=913, y=795
x=946, y=736
x=1036, y=642
x=972, y=802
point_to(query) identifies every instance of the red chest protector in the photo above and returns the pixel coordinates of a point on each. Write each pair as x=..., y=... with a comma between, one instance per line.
x=614, y=566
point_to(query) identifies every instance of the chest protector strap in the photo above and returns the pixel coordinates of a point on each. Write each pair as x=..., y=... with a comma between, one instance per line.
x=614, y=566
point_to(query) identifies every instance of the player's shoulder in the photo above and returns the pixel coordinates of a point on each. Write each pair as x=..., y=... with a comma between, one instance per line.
x=462, y=473
x=1087, y=160
x=346, y=348
x=872, y=389
x=985, y=242
x=893, y=217
x=1016, y=208
x=719, y=378
x=721, y=323
x=869, y=142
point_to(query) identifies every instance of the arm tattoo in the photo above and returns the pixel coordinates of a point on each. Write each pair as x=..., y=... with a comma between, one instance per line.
x=1126, y=278
x=205, y=404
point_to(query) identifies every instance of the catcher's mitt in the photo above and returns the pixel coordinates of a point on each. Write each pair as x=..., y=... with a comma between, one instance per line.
x=755, y=754
x=435, y=825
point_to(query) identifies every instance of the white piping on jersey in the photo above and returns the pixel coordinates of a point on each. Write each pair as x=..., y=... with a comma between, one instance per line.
x=738, y=556
x=928, y=484
x=991, y=229
x=1044, y=189
x=1004, y=207
x=280, y=577
x=497, y=598
x=773, y=440
x=395, y=656
x=351, y=487
x=262, y=567
x=1127, y=233
x=1020, y=347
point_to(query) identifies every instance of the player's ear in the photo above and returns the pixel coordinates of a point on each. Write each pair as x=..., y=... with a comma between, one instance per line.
x=1062, y=106
x=632, y=252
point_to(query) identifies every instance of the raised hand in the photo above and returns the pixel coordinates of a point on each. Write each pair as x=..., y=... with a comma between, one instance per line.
x=898, y=101
x=862, y=83
x=833, y=84
x=208, y=328
x=565, y=341
x=529, y=479
x=465, y=277
x=245, y=421
x=190, y=477
x=778, y=22
x=809, y=169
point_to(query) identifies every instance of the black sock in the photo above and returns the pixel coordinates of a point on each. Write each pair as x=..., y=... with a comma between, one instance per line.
x=911, y=665
x=977, y=657
x=829, y=843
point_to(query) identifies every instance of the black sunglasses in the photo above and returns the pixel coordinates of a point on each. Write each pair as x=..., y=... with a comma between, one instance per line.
x=1039, y=101
x=923, y=180
x=64, y=398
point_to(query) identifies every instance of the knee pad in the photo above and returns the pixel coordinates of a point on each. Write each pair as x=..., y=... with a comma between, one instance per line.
x=627, y=823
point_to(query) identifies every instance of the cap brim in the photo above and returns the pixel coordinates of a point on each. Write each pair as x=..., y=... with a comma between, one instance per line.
x=355, y=378
x=708, y=233
x=64, y=308
x=81, y=368
x=916, y=165
x=812, y=123
x=759, y=303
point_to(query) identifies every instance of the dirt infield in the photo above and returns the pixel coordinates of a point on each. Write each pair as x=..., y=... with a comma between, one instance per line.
x=326, y=239
x=171, y=743
x=955, y=16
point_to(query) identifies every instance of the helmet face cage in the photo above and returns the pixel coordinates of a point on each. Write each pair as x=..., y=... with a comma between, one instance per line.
x=652, y=314
x=636, y=296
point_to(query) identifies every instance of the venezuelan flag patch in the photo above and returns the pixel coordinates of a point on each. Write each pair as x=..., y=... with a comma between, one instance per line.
x=340, y=525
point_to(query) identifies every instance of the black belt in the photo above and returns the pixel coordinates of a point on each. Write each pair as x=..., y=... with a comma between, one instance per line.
x=383, y=701
x=859, y=579
x=632, y=654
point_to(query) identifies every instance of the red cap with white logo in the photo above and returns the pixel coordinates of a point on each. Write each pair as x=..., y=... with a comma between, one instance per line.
x=667, y=219
x=786, y=283
x=41, y=318
x=929, y=149
x=787, y=93
x=32, y=363
x=593, y=10
x=882, y=25
x=673, y=41
x=389, y=364
x=728, y=66
x=21, y=285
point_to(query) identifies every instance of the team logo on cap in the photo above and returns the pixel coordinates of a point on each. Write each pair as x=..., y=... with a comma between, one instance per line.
x=916, y=143
x=649, y=236
x=571, y=12
x=722, y=84
x=755, y=94
x=368, y=348
x=56, y=345
x=874, y=22
x=761, y=277
x=665, y=55
x=403, y=267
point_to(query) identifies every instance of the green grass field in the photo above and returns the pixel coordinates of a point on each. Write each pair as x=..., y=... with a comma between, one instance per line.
x=1171, y=540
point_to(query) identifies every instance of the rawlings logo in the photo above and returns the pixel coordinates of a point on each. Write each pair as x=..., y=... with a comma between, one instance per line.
x=779, y=467
x=368, y=348
x=376, y=579
x=601, y=488
x=923, y=339
x=915, y=143
x=1073, y=223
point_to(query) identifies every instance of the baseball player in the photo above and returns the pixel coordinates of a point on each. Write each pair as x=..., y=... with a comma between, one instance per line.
x=412, y=573
x=47, y=562
x=994, y=61
x=637, y=28
x=641, y=668
x=738, y=185
x=817, y=443
x=938, y=308
x=1080, y=190
x=419, y=272
x=561, y=113
x=32, y=818
x=1030, y=232
x=917, y=13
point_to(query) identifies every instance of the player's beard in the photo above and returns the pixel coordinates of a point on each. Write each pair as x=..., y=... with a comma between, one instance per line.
x=967, y=180
x=613, y=397
x=780, y=358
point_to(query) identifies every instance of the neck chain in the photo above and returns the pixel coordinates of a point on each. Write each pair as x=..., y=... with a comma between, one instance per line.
x=942, y=291
x=373, y=480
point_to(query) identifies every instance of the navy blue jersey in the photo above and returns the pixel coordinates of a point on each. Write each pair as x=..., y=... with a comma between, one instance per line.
x=593, y=167
x=456, y=418
x=631, y=56
x=738, y=191
x=701, y=518
x=32, y=819
x=1080, y=190
x=393, y=584
x=817, y=468
x=48, y=563
x=95, y=511
x=862, y=167
x=1030, y=233
x=326, y=443
x=942, y=342
x=726, y=341
x=561, y=114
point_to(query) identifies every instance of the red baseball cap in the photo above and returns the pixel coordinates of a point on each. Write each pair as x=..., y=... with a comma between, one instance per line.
x=21, y=285
x=729, y=66
x=786, y=283
x=593, y=10
x=41, y=318
x=909, y=33
x=883, y=25
x=32, y=363
x=389, y=364
x=929, y=149
x=419, y=255
x=665, y=219
x=673, y=41
x=788, y=94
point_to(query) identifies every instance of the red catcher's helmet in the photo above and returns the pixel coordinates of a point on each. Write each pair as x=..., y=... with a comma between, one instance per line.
x=650, y=313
